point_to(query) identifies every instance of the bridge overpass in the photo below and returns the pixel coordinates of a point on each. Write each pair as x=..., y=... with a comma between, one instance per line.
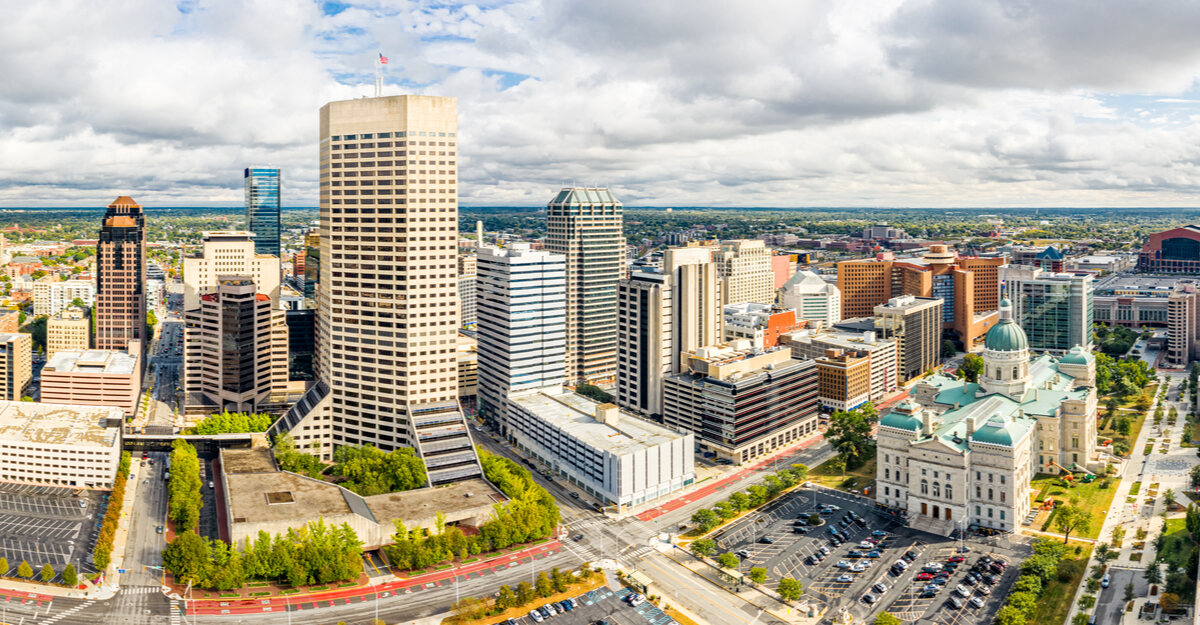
x=204, y=444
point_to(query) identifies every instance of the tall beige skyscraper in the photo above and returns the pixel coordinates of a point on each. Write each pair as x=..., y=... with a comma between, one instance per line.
x=584, y=225
x=388, y=302
x=745, y=268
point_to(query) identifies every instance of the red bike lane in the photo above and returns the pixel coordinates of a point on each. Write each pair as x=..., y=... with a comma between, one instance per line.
x=361, y=594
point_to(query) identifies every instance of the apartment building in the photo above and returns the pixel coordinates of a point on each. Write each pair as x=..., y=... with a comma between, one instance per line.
x=745, y=269
x=16, y=365
x=915, y=322
x=51, y=297
x=70, y=329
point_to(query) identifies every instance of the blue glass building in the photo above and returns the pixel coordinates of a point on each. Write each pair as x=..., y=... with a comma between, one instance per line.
x=262, y=208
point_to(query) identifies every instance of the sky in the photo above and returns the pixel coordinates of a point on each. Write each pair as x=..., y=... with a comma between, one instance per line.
x=887, y=103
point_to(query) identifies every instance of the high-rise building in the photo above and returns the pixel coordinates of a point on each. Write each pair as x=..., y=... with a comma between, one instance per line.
x=968, y=286
x=807, y=344
x=812, y=298
x=916, y=323
x=235, y=349
x=121, y=277
x=387, y=322
x=585, y=226
x=301, y=332
x=51, y=297
x=1183, y=324
x=16, y=365
x=262, y=208
x=696, y=299
x=521, y=327
x=312, y=263
x=761, y=324
x=742, y=403
x=1055, y=309
x=745, y=269
x=466, y=290
x=843, y=379
x=228, y=253
x=70, y=329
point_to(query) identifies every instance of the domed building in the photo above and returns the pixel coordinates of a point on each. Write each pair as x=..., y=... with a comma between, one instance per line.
x=960, y=454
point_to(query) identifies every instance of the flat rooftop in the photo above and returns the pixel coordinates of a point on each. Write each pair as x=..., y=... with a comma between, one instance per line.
x=92, y=361
x=575, y=415
x=1137, y=283
x=58, y=424
x=427, y=502
x=238, y=461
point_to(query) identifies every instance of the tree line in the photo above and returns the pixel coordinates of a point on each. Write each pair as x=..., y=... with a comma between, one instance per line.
x=472, y=609
x=530, y=514
x=233, y=423
x=102, y=551
x=25, y=571
x=368, y=470
x=1036, y=572
x=706, y=519
x=313, y=554
x=183, y=489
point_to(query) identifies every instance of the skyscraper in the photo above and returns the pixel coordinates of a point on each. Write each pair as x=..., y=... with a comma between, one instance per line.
x=916, y=323
x=584, y=225
x=228, y=253
x=745, y=269
x=387, y=300
x=1054, y=309
x=262, y=208
x=521, y=326
x=121, y=276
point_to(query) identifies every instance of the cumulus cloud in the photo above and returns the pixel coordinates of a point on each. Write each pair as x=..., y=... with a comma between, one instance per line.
x=774, y=103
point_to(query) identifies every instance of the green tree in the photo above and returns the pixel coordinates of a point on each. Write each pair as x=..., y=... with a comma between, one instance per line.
x=543, y=586
x=70, y=577
x=838, y=463
x=887, y=619
x=1129, y=592
x=1169, y=497
x=1023, y=601
x=800, y=471
x=971, y=367
x=725, y=510
x=24, y=570
x=789, y=589
x=47, y=573
x=758, y=574
x=703, y=547
x=594, y=392
x=728, y=561
x=1071, y=518
x=559, y=579
x=740, y=501
x=849, y=433
x=1009, y=615
x=705, y=519
x=948, y=348
x=1040, y=566
x=1028, y=583
x=524, y=594
x=1153, y=573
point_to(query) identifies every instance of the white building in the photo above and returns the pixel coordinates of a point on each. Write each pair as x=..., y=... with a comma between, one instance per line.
x=813, y=298
x=521, y=324
x=745, y=269
x=51, y=297
x=229, y=253
x=59, y=445
x=612, y=455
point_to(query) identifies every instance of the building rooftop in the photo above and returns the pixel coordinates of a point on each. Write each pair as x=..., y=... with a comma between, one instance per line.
x=576, y=415
x=58, y=424
x=92, y=361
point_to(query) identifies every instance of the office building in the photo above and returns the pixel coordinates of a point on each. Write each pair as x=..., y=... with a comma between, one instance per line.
x=968, y=286
x=522, y=327
x=93, y=378
x=742, y=403
x=620, y=460
x=121, y=277
x=468, y=369
x=387, y=322
x=1055, y=309
x=156, y=293
x=45, y=444
x=1101, y=264
x=10, y=321
x=229, y=253
x=51, y=297
x=915, y=323
x=813, y=299
x=262, y=208
x=312, y=263
x=883, y=232
x=884, y=378
x=1171, y=251
x=70, y=329
x=235, y=350
x=1183, y=325
x=761, y=324
x=466, y=290
x=301, y=337
x=584, y=226
x=783, y=267
x=16, y=365
x=745, y=269
x=843, y=379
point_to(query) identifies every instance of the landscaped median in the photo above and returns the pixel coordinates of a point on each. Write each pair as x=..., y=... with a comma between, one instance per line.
x=706, y=520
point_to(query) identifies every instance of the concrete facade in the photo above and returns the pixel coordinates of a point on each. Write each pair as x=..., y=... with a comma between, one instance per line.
x=51, y=297
x=229, y=253
x=93, y=378
x=59, y=445
x=70, y=329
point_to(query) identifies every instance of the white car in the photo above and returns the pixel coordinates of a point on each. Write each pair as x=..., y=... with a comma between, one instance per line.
x=962, y=590
x=550, y=609
x=858, y=567
x=536, y=616
x=1105, y=581
x=843, y=564
x=638, y=600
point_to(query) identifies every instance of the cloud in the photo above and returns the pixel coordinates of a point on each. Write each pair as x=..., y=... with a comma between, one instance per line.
x=894, y=103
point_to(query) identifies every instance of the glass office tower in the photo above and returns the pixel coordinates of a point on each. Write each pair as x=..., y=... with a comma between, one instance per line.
x=262, y=208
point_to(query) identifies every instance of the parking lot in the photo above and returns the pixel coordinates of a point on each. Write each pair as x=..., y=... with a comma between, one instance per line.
x=44, y=525
x=607, y=604
x=858, y=575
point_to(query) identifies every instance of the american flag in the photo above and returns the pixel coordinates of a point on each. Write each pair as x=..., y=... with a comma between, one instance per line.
x=382, y=59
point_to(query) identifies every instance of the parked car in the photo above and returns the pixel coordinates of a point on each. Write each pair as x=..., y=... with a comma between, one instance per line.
x=766, y=540
x=843, y=564
x=872, y=554
x=976, y=602
x=956, y=559
x=870, y=598
x=879, y=533
x=549, y=608
x=855, y=553
x=956, y=602
x=799, y=530
x=984, y=590
x=928, y=592
x=865, y=545
x=962, y=590
x=858, y=567
x=845, y=578
x=536, y=616
x=880, y=587
x=1104, y=581
x=923, y=576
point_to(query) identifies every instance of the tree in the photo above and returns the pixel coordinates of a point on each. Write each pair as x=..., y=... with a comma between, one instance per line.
x=1153, y=574
x=559, y=579
x=838, y=463
x=740, y=501
x=789, y=589
x=849, y=433
x=1111, y=406
x=1169, y=602
x=1040, y=566
x=703, y=547
x=594, y=392
x=70, y=577
x=1072, y=518
x=24, y=570
x=800, y=471
x=1191, y=520
x=971, y=367
x=1028, y=583
x=47, y=573
x=705, y=519
x=3, y=566
x=469, y=609
x=758, y=574
x=1009, y=615
x=1129, y=592
x=524, y=593
x=544, y=586
x=1169, y=497
x=885, y=618
x=728, y=561
x=1023, y=601
x=948, y=348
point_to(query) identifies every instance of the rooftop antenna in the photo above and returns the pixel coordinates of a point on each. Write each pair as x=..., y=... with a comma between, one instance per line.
x=379, y=63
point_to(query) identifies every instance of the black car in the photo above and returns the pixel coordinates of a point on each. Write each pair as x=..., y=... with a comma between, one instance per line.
x=810, y=560
x=926, y=593
x=800, y=521
x=990, y=579
x=860, y=522
x=577, y=537
x=799, y=530
x=910, y=555
x=766, y=540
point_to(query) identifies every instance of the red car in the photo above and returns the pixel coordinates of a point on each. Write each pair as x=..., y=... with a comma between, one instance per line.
x=924, y=576
x=956, y=559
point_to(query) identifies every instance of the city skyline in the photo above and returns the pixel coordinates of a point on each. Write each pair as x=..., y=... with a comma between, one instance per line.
x=903, y=105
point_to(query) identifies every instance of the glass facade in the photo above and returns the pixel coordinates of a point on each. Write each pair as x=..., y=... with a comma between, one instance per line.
x=262, y=208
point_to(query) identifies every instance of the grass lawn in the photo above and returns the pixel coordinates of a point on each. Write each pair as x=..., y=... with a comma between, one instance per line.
x=1058, y=595
x=1177, y=549
x=1137, y=486
x=1137, y=419
x=1091, y=497
x=825, y=475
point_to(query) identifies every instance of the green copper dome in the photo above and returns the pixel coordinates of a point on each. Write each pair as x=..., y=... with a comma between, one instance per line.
x=1076, y=357
x=1006, y=336
x=900, y=421
x=994, y=432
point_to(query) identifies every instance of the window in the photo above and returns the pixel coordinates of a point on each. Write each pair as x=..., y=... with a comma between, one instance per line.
x=989, y=513
x=1003, y=495
x=978, y=492
x=1015, y=374
x=924, y=487
x=937, y=490
x=1001, y=515
x=990, y=496
x=887, y=474
x=949, y=492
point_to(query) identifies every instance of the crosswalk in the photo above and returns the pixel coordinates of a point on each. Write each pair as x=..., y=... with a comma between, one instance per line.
x=140, y=590
x=65, y=613
x=175, y=619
